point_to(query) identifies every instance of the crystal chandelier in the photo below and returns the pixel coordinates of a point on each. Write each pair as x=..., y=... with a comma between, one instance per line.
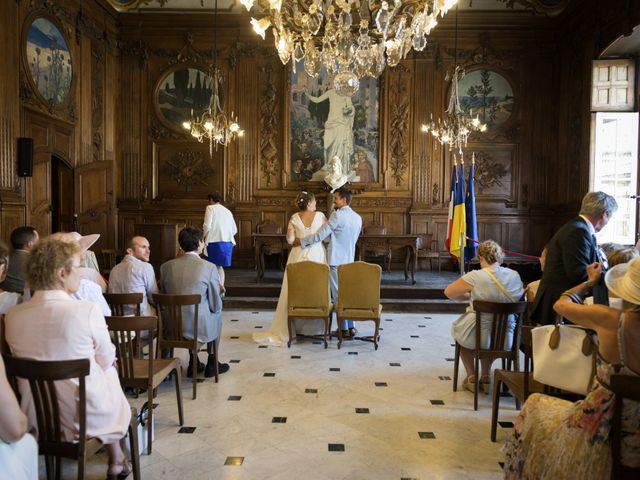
x=352, y=39
x=455, y=128
x=214, y=124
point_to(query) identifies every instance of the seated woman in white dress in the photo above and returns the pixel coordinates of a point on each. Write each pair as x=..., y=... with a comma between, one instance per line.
x=54, y=326
x=18, y=449
x=303, y=223
x=491, y=283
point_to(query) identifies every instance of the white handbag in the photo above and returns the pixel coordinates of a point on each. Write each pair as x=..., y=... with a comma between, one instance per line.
x=564, y=356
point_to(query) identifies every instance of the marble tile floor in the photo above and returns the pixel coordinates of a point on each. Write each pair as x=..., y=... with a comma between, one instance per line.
x=310, y=413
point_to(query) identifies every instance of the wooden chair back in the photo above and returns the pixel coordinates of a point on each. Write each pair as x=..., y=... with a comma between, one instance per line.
x=108, y=260
x=309, y=294
x=624, y=387
x=499, y=327
x=359, y=296
x=125, y=330
x=170, y=312
x=374, y=229
x=41, y=376
x=117, y=302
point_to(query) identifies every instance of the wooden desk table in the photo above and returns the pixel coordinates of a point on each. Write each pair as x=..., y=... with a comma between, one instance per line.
x=394, y=241
x=273, y=240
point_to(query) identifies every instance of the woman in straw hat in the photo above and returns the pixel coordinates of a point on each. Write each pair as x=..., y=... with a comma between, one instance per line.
x=554, y=438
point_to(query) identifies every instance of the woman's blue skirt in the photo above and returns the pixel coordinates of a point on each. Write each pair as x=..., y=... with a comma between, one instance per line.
x=220, y=253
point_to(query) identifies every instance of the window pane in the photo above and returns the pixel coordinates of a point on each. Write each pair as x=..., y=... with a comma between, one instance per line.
x=616, y=170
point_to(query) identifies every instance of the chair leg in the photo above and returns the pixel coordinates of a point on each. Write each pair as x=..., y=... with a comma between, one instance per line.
x=81, y=465
x=477, y=384
x=456, y=362
x=194, y=377
x=339, y=330
x=149, y=417
x=179, y=394
x=49, y=465
x=289, y=328
x=326, y=329
x=495, y=407
x=133, y=444
x=376, y=333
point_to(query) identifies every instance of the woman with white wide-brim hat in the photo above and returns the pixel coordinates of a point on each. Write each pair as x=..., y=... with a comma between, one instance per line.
x=548, y=428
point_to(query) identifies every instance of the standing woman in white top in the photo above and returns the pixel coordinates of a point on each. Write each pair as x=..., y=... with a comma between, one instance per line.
x=219, y=229
x=492, y=283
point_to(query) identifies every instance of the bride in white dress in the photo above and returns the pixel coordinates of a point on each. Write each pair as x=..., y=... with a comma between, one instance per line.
x=306, y=222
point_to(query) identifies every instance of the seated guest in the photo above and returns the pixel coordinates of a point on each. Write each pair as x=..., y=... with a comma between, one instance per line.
x=88, y=289
x=53, y=326
x=532, y=288
x=134, y=274
x=18, y=449
x=190, y=274
x=22, y=240
x=491, y=283
x=554, y=438
x=7, y=299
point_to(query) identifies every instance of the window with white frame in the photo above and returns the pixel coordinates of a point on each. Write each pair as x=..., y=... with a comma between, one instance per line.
x=614, y=135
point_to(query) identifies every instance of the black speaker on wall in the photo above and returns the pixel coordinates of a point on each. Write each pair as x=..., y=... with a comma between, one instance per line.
x=25, y=157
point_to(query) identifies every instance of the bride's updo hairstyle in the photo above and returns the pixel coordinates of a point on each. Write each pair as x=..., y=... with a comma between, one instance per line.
x=303, y=199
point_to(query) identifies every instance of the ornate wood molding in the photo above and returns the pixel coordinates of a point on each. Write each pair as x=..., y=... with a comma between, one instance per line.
x=269, y=167
x=485, y=53
x=67, y=112
x=545, y=7
x=399, y=126
x=97, y=100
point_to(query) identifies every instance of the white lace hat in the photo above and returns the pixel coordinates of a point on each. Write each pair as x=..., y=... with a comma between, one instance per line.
x=85, y=241
x=623, y=280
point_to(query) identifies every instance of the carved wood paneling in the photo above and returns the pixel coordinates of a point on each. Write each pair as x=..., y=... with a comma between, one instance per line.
x=7, y=153
x=399, y=132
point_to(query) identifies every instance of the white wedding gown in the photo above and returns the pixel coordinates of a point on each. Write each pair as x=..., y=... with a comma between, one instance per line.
x=278, y=333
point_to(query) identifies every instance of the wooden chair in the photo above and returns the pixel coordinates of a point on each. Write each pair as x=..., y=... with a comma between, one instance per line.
x=359, y=297
x=42, y=376
x=270, y=248
x=117, y=302
x=108, y=260
x=137, y=372
x=376, y=248
x=624, y=387
x=170, y=312
x=427, y=248
x=520, y=384
x=309, y=295
x=497, y=335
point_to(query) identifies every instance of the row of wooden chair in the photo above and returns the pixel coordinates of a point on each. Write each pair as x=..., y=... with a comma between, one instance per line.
x=521, y=383
x=309, y=296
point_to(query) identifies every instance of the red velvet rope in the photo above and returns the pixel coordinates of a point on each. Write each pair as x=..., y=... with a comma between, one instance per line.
x=509, y=251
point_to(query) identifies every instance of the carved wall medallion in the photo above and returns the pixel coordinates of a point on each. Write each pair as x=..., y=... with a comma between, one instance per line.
x=496, y=172
x=188, y=169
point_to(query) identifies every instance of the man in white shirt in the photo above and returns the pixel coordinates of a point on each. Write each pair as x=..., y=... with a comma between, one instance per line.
x=135, y=274
x=219, y=229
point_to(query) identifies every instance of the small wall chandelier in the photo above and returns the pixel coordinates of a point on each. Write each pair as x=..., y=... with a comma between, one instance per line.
x=352, y=39
x=214, y=124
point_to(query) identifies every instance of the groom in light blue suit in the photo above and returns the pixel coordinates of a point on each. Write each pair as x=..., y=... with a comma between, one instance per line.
x=344, y=227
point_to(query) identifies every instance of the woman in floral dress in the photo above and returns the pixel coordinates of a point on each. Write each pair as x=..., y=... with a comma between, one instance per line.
x=554, y=438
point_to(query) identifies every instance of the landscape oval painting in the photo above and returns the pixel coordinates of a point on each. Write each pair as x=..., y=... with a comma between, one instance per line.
x=487, y=94
x=182, y=91
x=49, y=60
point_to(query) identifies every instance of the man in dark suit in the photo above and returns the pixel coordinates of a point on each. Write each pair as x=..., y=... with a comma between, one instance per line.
x=191, y=274
x=569, y=252
x=22, y=239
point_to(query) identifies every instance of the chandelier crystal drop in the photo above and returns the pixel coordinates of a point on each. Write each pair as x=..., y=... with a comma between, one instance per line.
x=455, y=128
x=352, y=39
